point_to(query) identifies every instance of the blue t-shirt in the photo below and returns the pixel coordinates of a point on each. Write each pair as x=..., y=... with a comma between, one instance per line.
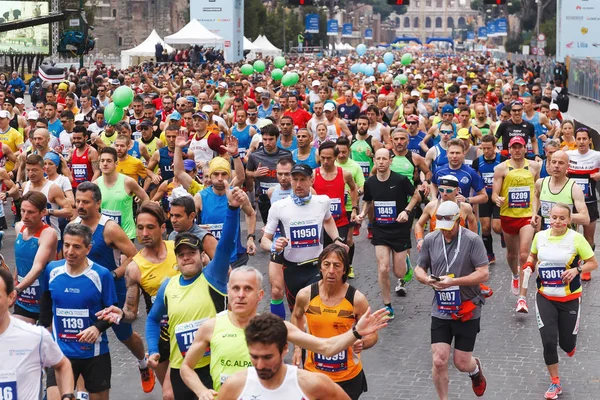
x=414, y=141
x=55, y=128
x=468, y=178
x=75, y=302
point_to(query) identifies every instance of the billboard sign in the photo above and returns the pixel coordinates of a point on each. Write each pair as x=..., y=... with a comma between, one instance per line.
x=347, y=30
x=577, y=29
x=332, y=27
x=369, y=34
x=311, y=23
x=31, y=40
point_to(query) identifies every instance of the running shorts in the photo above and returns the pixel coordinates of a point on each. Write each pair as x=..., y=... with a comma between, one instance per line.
x=512, y=226
x=95, y=371
x=297, y=276
x=463, y=333
x=489, y=209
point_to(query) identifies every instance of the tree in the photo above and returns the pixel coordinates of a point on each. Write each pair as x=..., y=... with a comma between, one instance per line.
x=548, y=28
x=255, y=15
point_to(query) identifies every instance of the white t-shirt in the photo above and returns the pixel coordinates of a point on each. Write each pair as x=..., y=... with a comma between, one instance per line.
x=65, y=142
x=63, y=182
x=303, y=226
x=30, y=348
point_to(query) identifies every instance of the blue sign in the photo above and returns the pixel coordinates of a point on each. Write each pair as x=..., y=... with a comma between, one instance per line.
x=368, y=34
x=332, y=27
x=347, y=30
x=312, y=23
x=491, y=28
x=470, y=36
x=501, y=27
x=482, y=32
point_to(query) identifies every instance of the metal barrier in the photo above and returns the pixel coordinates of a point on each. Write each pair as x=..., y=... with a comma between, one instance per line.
x=584, y=80
x=547, y=64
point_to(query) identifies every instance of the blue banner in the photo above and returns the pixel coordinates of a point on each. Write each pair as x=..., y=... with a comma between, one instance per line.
x=368, y=34
x=332, y=27
x=347, y=30
x=501, y=27
x=312, y=23
x=482, y=32
x=470, y=36
x=491, y=28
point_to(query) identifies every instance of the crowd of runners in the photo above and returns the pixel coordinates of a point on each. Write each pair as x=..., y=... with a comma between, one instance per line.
x=435, y=160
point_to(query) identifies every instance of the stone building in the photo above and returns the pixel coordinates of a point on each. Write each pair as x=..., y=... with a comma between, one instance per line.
x=123, y=24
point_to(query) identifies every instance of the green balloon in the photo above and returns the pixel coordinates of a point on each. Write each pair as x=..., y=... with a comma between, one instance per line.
x=277, y=74
x=259, y=66
x=113, y=113
x=279, y=62
x=287, y=80
x=247, y=69
x=123, y=96
x=295, y=78
x=403, y=79
x=406, y=58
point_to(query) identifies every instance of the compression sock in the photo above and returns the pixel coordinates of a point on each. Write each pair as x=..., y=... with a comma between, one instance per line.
x=351, y=253
x=502, y=242
x=488, y=242
x=278, y=308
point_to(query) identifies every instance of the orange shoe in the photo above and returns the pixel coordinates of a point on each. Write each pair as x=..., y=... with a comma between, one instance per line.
x=148, y=379
x=586, y=276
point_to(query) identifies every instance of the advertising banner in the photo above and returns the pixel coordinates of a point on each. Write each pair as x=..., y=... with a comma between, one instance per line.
x=347, y=30
x=368, y=34
x=501, y=27
x=312, y=23
x=578, y=29
x=482, y=33
x=332, y=27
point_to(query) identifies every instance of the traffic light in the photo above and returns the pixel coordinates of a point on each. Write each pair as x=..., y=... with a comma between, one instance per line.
x=301, y=2
x=497, y=2
x=398, y=2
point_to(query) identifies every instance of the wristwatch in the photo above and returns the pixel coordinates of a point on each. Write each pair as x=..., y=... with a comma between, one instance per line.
x=339, y=238
x=579, y=269
x=114, y=274
x=251, y=235
x=355, y=333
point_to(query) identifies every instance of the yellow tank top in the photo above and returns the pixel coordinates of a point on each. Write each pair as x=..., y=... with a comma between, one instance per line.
x=152, y=146
x=324, y=321
x=152, y=275
x=188, y=306
x=228, y=350
x=517, y=189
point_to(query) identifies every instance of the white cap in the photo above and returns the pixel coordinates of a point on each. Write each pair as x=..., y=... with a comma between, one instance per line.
x=208, y=108
x=19, y=100
x=418, y=76
x=553, y=106
x=447, y=209
x=316, y=83
x=4, y=114
x=370, y=79
x=79, y=117
x=454, y=68
x=33, y=114
x=415, y=93
x=259, y=90
x=223, y=85
x=464, y=87
x=329, y=107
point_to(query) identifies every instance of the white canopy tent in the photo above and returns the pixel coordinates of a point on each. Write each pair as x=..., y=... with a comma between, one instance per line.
x=248, y=45
x=195, y=33
x=146, y=49
x=265, y=47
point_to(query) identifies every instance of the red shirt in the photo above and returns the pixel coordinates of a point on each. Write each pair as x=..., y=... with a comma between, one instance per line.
x=300, y=117
x=335, y=189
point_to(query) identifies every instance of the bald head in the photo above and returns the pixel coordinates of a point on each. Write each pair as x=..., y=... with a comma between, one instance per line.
x=382, y=153
x=559, y=164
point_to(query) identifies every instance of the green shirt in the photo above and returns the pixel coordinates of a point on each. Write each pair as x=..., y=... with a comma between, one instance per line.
x=402, y=166
x=117, y=204
x=358, y=152
x=357, y=174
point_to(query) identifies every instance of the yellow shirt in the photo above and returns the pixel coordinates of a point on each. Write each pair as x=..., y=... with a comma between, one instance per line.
x=108, y=140
x=132, y=167
x=13, y=139
x=194, y=188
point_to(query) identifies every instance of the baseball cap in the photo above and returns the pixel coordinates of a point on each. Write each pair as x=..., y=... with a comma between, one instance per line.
x=19, y=100
x=187, y=239
x=115, y=82
x=63, y=86
x=328, y=107
x=277, y=106
x=303, y=169
x=553, y=106
x=446, y=215
x=516, y=103
x=425, y=91
x=189, y=165
x=464, y=87
x=316, y=83
x=447, y=109
x=223, y=85
x=208, y=108
x=460, y=79
x=415, y=93
x=448, y=180
x=144, y=123
x=265, y=95
x=200, y=115
x=33, y=114
x=79, y=118
x=4, y=114
x=418, y=76
x=516, y=139
x=175, y=116
x=463, y=133
x=218, y=164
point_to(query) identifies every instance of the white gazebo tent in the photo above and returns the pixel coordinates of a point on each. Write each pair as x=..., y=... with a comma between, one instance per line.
x=195, y=33
x=265, y=47
x=248, y=45
x=144, y=50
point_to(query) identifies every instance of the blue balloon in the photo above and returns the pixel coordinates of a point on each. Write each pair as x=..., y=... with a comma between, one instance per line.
x=361, y=49
x=369, y=71
x=355, y=68
x=363, y=67
x=388, y=58
x=381, y=67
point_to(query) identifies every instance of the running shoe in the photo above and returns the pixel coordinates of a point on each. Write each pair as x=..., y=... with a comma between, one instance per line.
x=553, y=391
x=478, y=381
x=356, y=230
x=586, y=276
x=515, y=286
x=409, y=270
x=390, y=311
x=522, y=306
x=401, y=288
x=148, y=379
x=369, y=233
x=351, y=273
x=491, y=258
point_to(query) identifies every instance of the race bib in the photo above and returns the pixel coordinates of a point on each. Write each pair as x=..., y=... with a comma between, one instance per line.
x=80, y=172
x=8, y=385
x=385, y=212
x=335, y=208
x=365, y=166
x=448, y=300
x=31, y=295
x=265, y=186
x=185, y=334
x=70, y=322
x=215, y=230
x=519, y=197
x=335, y=363
x=584, y=184
x=488, y=179
x=136, y=135
x=468, y=162
x=114, y=215
x=550, y=274
x=304, y=236
x=242, y=152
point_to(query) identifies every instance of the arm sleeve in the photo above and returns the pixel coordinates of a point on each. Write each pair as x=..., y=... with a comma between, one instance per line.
x=251, y=166
x=46, y=309
x=216, y=271
x=158, y=309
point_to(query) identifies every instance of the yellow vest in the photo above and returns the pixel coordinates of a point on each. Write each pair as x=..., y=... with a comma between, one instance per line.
x=517, y=189
x=152, y=275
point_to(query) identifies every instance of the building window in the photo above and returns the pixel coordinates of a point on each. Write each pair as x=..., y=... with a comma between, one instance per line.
x=114, y=13
x=427, y=22
x=438, y=3
x=450, y=22
x=397, y=22
x=120, y=41
x=438, y=22
x=428, y=3
x=406, y=22
x=461, y=22
x=416, y=22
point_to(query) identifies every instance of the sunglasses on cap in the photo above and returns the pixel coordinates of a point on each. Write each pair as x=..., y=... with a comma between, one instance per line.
x=582, y=129
x=446, y=217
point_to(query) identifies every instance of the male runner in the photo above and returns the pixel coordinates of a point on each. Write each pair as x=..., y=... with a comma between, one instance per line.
x=516, y=126
x=83, y=158
x=306, y=153
x=376, y=129
x=336, y=127
x=539, y=121
x=287, y=139
x=243, y=132
x=437, y=156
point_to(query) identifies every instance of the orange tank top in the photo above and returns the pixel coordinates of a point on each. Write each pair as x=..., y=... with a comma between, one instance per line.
x=324, y=321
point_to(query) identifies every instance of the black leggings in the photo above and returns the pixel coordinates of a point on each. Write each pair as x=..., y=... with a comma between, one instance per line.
x=558, y=322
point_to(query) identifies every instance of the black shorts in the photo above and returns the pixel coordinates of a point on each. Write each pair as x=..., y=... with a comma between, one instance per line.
x=489, y=209
x=349, y=216
x=398, y=245
x=242, y=259
x=164, y=346
x=298, y=276
x=464, y=333
x=180, y=389
x=356, y=386
x=593, y=211
x=18, y=310
x=342, y=232
x=277, y=258
x=95, y=371
x=3, y=222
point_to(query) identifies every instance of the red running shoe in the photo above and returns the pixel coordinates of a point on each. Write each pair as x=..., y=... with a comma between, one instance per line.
x=369, y=233
x=356, y=230
x=478, y=381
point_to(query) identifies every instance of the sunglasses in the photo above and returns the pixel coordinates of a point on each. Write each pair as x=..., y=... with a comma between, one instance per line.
x=252, y=114
x=411, y=122
x=461, y=103
x=446, y=217
x=516, y=110
x=447, y=132
x=447, y=191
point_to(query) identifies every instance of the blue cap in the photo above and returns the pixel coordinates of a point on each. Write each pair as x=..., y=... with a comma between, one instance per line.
x=189, y=165
x=460, y=79
x=52, y=156
x=175, y=116
x=447, y=109
x=191, y=99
